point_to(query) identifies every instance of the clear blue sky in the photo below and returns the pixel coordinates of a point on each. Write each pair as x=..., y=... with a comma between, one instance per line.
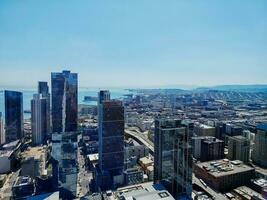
x=134, y=43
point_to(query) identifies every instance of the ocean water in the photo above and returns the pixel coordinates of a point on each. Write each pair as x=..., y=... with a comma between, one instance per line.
x=27, y=96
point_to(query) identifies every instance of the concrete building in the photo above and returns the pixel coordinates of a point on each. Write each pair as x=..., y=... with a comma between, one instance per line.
x=206, y=148
x=133, y=176
x=238, y=148
x=173, y=156
x=224, y=175
x=5, y=161
x=259, y=154
x=145, y=191
x=204, y=130
x=40, y=120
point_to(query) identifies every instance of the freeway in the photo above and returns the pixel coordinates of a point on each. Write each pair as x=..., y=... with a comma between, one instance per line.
x=140, y=138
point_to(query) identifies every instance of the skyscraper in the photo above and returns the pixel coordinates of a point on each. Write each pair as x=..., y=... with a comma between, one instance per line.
x=13, y=115
x=238, y=148
x=173, y=156
x=111, y=142
x=39, y=119
x=64, y=101
x=2, y=133
x=259, y=154
x=64, y=151
x=43, y=89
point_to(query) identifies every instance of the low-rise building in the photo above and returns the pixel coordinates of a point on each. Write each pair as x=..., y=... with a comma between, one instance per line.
x=23, y=187
x=33, y=161
x=133, y=176
x=224, y=175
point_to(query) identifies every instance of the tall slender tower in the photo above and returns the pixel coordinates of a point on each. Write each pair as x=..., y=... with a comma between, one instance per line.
x=43, y=90
x=64, y=101
x=39, y=119
x=111, y=141
x=173, y=156
x=13, y=115
x=2, y=131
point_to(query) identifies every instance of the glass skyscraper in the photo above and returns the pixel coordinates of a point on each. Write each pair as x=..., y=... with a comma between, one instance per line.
x=111, y=141
x=64, y=150
x=64, y=101
x=13, y=115
x=173, y=156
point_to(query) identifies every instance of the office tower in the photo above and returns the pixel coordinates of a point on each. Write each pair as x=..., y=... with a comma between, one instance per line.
x=43, y=89
x=13, y=115
x=64, y=151
x=2, y=131
x=259, y=154
x=39, y=119
x=173, y=156
x=208, y=148
x=111, y=143
x=103, y=95
x=64, y=101
x=238, y=148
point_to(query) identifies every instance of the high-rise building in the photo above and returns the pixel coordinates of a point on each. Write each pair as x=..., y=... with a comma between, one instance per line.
x=173, y=156
x=64, y=101
x=111, y=143
x=39, y=119
x=259, y=154
x=208, y=148
x=43, y=89
x=238, y=148
x=64, y=151
x=13, y=115
x=2, y=130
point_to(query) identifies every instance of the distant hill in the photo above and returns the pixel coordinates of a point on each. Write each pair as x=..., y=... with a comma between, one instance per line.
x=237, y=88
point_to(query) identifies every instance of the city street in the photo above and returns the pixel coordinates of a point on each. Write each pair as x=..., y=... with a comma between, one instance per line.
x=84, y=176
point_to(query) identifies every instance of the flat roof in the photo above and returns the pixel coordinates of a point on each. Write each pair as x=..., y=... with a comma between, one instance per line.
x=35, y=152
x=224, y=167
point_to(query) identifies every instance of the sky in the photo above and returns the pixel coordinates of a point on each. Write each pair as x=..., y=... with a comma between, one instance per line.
x=134, y=43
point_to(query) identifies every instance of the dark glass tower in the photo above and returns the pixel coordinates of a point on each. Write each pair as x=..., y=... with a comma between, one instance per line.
x=64, y=101
x=173, y=157
x=111, y=146
x=13, y=115
x=43, y=88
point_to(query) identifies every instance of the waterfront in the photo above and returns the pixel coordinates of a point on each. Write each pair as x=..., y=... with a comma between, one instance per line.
x=28, y=93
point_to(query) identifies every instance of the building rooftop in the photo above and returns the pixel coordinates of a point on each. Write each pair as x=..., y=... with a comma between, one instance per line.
x=224, y=167
x=36, y=152
x=23, y=180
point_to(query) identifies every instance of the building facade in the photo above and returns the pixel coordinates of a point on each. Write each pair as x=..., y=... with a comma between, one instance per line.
x=39, y=124
x=111, y=141
x=13, y=115
x=173, y=156
x=238, y=148
x=2, y=130
x=259, y=154
x=64, y=101
x=64, y=151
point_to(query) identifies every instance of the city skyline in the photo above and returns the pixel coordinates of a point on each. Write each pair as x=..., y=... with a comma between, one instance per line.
x=175, y=43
